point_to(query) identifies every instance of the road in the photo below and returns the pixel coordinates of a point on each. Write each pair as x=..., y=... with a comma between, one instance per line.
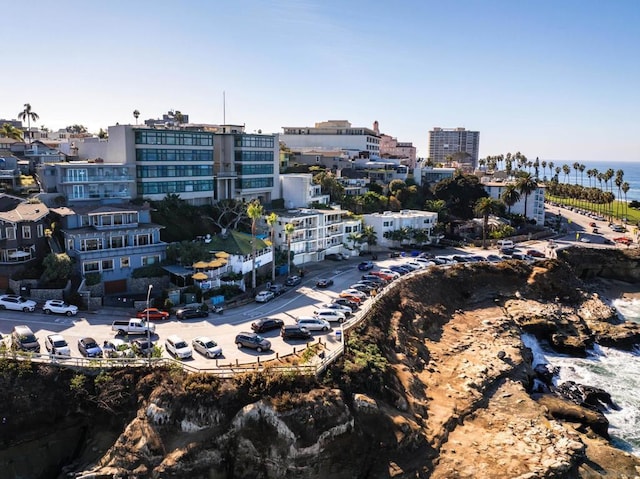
x=298, y=301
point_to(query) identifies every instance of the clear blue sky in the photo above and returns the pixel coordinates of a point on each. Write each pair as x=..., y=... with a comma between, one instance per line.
x=552, y=79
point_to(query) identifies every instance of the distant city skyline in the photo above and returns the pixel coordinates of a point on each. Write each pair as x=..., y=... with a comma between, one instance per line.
x=554, y=80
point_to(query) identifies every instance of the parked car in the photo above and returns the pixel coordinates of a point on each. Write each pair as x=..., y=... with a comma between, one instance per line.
x=346, y=310
x=16, y=303
x=253, y=341
x=313, y=324
x=294, y=331
x=364, y=288
x=57, y=345
x=293, y=281
x=117, y=348
x=373, y=279
x=346, y=302
x=142, y=347
x=152, y=313
x=266, y=324
x=330, y=315
x=178, y=347
x=388, y=271
x=264, y=296
x=365, y=265
x=384, y=276
x=59, y=307
x=535, y=253
x=353, y=295
x=23, y=339
x=401, y=270
x=191, y=312
x=333, y=257
x=206, y=346
x=89, y=348
x=277, y=289
x=494, y=258
x=324, y=283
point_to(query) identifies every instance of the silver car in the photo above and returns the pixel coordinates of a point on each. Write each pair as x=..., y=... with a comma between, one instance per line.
x=206, y=346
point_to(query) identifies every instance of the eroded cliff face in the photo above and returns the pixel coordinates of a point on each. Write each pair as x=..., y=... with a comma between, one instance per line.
x=434, y=384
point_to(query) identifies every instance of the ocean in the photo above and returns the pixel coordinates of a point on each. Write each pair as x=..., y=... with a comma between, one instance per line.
x=612, y=370
x=631, y=171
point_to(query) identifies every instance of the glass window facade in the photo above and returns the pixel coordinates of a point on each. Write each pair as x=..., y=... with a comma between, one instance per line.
x=254, y=156
x=163, y=187
x=248, y=183
x=173, y=171
x=156, y=137
x=254, y=141
x=152, y=154
x=254, y=169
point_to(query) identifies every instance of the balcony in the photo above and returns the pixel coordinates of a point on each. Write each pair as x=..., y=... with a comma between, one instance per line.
x=125, y=251
x=97, y=179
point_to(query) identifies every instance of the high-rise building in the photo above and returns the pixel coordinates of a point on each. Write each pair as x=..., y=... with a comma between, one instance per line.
x=454, y=145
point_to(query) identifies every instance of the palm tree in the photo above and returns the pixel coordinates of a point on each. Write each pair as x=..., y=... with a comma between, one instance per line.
x=369, y=236
x=11, y=132
x=289, y=228
x=484, y=207
x=544, y=169
x=272, y=219
x=136, y=115
x=526, y=185
x=625, y=188
x=619, y=180
x=510, y=196
x=566, y=170
x=254, y=212
x=28, y=115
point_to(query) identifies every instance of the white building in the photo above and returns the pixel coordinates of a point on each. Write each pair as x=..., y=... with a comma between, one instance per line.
x=535, y=201
x=332, y=135
x=317, y=233
x=299, y=191
x=393, y=221
x=424, y=174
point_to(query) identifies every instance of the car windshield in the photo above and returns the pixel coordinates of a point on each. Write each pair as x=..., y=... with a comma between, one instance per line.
x=181, y=344
x=210, y=344
x=27, y=338
x=60, y=343
x=259, y=338
x=90, y=345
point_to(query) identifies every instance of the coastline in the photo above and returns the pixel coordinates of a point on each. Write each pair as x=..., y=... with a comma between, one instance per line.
x=613, y=289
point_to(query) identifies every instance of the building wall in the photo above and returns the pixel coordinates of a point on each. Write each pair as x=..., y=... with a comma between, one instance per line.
x=298, y=191
x=391, y=221
x=535, y=201
x=448, y=141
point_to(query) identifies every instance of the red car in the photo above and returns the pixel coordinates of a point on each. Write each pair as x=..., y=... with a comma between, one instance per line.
x=535, y=253
x=623, y=240
x=154, y=313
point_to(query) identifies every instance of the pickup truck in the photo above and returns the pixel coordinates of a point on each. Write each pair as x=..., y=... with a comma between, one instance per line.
x=132, y=326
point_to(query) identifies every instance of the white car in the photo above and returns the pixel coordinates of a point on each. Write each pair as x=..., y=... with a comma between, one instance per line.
x=356, y=293
x=346, y=310
x=264, y=296
x=59, y=307
x=390, y=273
x=330, y=315
x=117, y=348
x=313, y=324
x=17, y=303
x=178, y=347
x=57, y=345
x=206, y=346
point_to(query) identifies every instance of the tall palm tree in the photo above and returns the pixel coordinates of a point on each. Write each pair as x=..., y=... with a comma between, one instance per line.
x=136, y=115
x=9, y=131
x=625, y=187
x=272, y=219
x=566, y=170
x=619, y=180
x=526, y=185
x=510, y=196
x=484, y=207
x=369, y=236
x=551, y=165
x=544, y=169
x=29, y=115
x=254, y=212
x=289, y=228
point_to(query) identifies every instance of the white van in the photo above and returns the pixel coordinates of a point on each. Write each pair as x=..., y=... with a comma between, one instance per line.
x=504, y=244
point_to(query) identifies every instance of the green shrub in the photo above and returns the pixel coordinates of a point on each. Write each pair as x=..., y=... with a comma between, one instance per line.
x=92, y=278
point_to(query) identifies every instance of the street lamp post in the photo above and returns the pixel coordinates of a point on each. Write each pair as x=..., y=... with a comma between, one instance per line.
x=148, y=329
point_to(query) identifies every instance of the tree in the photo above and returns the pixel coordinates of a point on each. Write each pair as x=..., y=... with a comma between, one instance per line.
x=102, y=134
x=330, y=185
x=510, y=196
x=226, y=214
x=526, y=185
x=369, y=236
x=254, y=212
x=57, y=267
x=10, y=131
x=29, y=115
x=272, y=219
x=460, y=194
x=77, y=129
x=625, y=187
x=136, y=115
x=289, y=228
x=485, y=207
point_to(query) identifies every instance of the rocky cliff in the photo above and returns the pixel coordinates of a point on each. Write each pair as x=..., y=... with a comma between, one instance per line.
x=437, y=383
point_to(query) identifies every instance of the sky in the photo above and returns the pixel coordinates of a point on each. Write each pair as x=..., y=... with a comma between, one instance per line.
x=557, y=80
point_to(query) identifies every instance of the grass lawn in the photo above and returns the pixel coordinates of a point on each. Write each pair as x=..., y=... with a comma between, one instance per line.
x=619, y=207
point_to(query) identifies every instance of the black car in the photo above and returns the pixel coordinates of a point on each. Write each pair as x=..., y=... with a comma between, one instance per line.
x=253, y=341
x=373, y=278
x=399, y=269
x=293, y=331
x=188, y=313
x=324, y=283
x=345, y=302
x=266, y=324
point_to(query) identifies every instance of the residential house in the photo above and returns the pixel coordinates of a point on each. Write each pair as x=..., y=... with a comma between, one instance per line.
x=239, y=248
x=534, y=202
x=408, y=220
x=112, y=240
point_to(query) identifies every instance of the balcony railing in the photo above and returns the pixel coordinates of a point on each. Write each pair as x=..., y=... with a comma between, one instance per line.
x=97, y=178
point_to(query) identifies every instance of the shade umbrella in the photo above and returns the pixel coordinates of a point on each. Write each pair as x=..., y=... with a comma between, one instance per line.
x=222, y=254
x=200, y=265
x=199, y=276
x=216, y=263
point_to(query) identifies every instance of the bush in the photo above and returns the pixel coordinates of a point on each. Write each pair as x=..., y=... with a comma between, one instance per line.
x=151, y=271
x=93, y=278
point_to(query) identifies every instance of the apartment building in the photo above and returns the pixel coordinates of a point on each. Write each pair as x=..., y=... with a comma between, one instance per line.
x=22, y=230
x=299, y=191
x=456, y=145
x=424, y=174
x=332, y=135
x=534, y=202
x=110, y=240
x=411, y=220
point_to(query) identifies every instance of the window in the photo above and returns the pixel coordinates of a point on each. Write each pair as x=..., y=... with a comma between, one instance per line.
x=254, y=141
x=124, y=262
x=148, y=260
x=91, y=266
x=107, y=264
x=117, y=242
x=26, y=232
x=10, y=232
x=40, y=231
x=142, y=240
